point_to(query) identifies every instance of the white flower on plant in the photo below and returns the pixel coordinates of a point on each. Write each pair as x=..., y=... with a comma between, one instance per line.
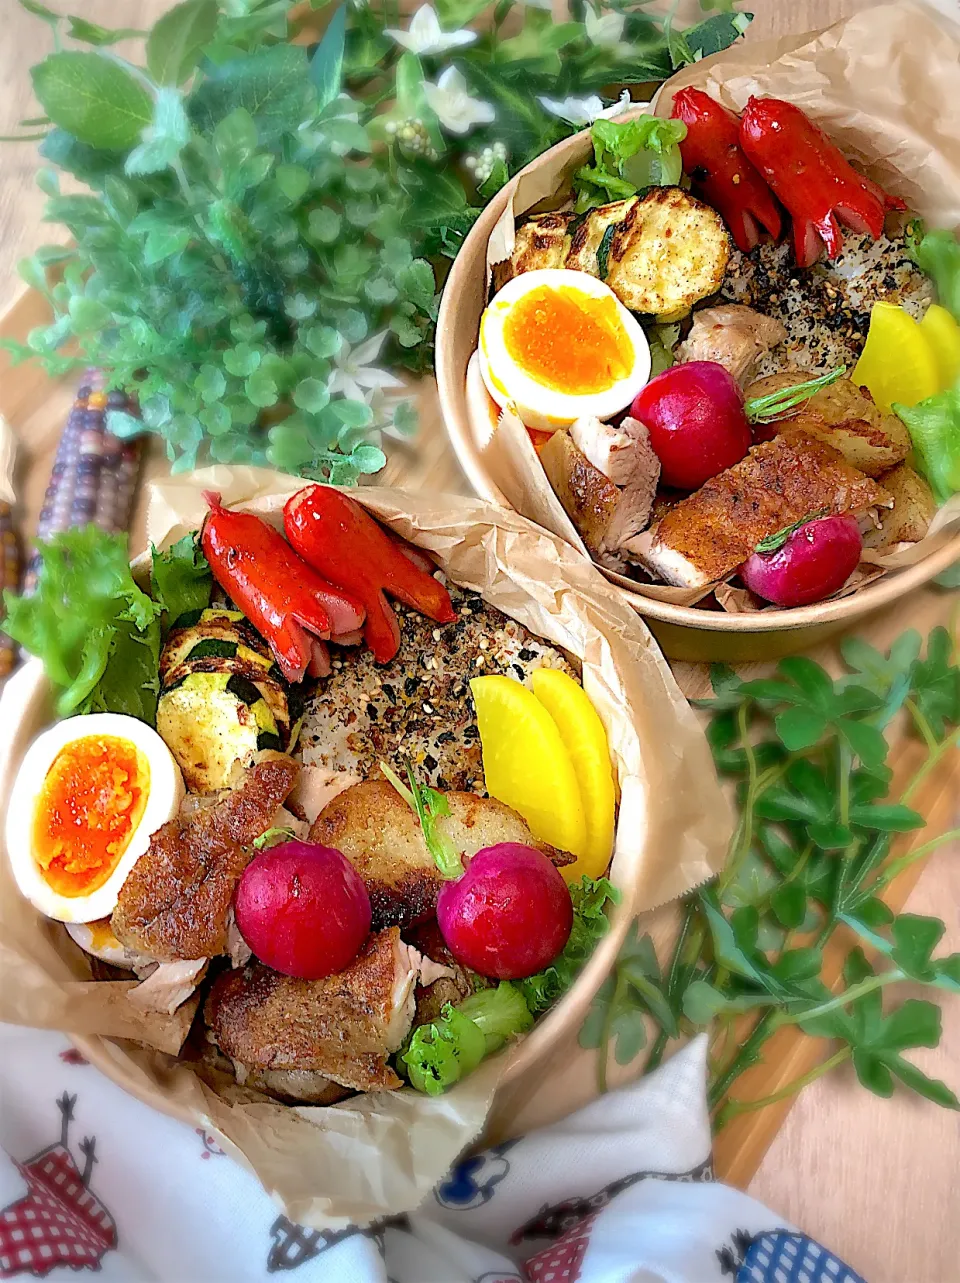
x=384, y=407
x=355, y=376
x=426, y=36
x=584, y=111
x=455, y=108
x=606, y=31
x=604, y=28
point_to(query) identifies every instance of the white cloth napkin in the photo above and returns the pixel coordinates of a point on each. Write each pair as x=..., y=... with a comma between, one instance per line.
x=621, y=1192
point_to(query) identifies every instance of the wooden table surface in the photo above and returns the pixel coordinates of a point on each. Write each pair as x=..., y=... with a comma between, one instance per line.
x=876, y=1180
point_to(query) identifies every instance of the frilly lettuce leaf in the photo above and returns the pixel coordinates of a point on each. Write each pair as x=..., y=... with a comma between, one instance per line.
x=97, y=633
x=590, y=897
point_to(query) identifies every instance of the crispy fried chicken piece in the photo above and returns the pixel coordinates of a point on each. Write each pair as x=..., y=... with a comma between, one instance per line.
x=606, y=515
x=174, y=903
x=381, y=836
x=734, y=336
x=343, y=1027
x=704, y=538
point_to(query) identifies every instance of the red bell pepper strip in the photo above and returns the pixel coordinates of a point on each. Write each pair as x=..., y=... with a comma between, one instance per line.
x=334, y=535
x=280, y=595
x=721, y=173
x=812, y=178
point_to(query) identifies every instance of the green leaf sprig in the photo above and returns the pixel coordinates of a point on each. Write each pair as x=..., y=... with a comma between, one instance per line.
x=810, y=855
x=429, y=806
x=262, y=227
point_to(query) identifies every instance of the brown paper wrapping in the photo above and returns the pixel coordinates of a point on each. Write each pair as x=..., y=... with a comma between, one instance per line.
x=381, y=1154
x=885, y=85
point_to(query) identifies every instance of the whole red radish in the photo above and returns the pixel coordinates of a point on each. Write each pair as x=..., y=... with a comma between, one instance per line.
x=303, y=909
x=697, y=422
x=814, y=561
x=509, y=915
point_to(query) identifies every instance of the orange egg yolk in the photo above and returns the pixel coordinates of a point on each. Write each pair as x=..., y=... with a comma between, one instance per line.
x=568, y=341
x=91, y=803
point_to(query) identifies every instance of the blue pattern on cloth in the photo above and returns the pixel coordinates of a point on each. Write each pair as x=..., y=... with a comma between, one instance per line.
x=793, y=1258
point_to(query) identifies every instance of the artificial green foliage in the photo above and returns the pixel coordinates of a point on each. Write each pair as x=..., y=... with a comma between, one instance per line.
x=265, y=223
x=810, y=857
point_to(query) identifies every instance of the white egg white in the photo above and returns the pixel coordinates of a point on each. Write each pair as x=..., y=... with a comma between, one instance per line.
x=540, y=406
x=164, y=795
x=98, y=940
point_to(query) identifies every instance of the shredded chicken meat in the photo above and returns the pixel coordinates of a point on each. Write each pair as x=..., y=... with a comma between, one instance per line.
x=168, y=986
x=733, y=336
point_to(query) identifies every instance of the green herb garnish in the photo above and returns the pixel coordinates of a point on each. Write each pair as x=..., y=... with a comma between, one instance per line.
x=773, y=543
x=429, y=806
x=934, y=427
x=590, y=897
x=180, y=580
x=937, y=253
x=97, y=633
x=271, y=837
x=810, y=858
x=628, y=157
x=776, y=405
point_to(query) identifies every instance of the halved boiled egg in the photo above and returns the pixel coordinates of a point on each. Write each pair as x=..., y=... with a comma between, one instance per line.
x=558, y=345
x=97, y=939
x=89, y=794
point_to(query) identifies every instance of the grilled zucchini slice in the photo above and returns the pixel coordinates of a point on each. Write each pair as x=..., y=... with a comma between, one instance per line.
x=659, y=253
x=669, y=252
x=591, y=237
x=217, y=634
x=542, y=241
x=210, y=722
x=222, y=698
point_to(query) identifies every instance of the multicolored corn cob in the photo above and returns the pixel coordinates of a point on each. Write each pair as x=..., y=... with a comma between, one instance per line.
x=94, y=474
x=10, y=563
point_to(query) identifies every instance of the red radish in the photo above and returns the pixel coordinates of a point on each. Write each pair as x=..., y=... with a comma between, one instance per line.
x=814, y=561
x=303, y=909
x=697, y=422
x=509, y=915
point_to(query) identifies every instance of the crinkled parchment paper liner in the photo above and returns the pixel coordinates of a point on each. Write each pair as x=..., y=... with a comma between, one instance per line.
x=885, y=84
x=378, y=1155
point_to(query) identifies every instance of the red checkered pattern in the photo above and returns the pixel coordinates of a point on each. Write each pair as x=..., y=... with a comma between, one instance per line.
x=561, y=1262
x=59, y=1222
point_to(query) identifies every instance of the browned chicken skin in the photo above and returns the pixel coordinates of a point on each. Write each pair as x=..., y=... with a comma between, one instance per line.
x=381, y=837
x=705, y=537
x=606, y=479
x=174, y=904
x=343, y=1027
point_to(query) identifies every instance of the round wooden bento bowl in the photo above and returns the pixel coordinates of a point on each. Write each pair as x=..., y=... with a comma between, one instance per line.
x=684, y=632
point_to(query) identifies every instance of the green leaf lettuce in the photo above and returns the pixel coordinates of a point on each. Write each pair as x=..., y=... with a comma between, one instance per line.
x=97, y=633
